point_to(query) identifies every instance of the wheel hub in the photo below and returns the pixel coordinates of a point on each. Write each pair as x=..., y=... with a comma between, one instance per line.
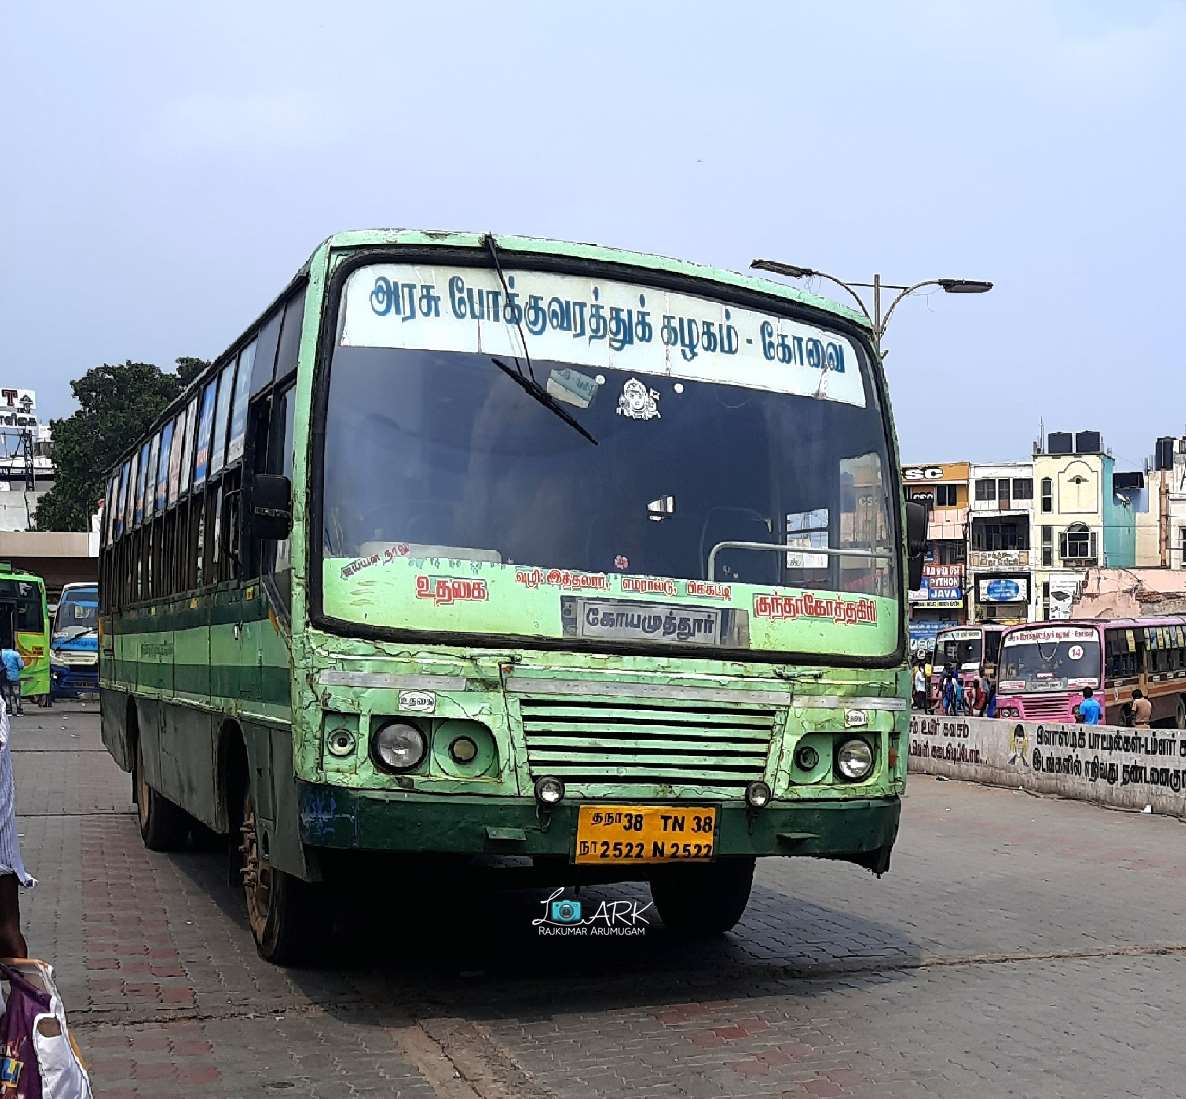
x=256, y=873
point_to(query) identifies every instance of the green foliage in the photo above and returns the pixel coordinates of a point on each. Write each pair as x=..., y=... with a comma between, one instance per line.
x=189, y=368
x=116, y=404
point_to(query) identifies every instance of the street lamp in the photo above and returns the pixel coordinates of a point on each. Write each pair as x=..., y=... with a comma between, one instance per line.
x=879, y=322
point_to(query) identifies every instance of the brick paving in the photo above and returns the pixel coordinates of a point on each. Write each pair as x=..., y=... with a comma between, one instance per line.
x=1019, y=946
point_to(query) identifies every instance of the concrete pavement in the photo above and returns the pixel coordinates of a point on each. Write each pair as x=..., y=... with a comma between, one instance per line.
x=1018, y=946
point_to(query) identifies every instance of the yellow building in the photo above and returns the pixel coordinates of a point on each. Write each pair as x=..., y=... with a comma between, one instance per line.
x=942, y=599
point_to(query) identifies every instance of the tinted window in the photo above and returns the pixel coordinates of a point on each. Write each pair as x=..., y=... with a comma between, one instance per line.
x=162, y=467
x=108, y=510
x=135, y=493
x=187, y=446
x=175, y=458
x=290, y=337
x=141, y=475
x=265, y=353
x=205, y=423
x=154, y=455
x=222, y=410
x=121, y=503
x=238, y=429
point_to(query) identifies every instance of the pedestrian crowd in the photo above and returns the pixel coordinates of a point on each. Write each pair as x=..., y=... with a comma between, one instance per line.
x=977, y=697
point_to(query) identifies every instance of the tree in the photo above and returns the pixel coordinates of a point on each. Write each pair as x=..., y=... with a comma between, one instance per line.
x=189, y=368
x=116, y=404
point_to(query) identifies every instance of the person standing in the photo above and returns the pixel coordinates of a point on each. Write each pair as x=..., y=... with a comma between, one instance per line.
x=1089, y=708
x=920, y=688
x=13, y=875
x=13, y=666
x=1142, y=710
x=980, y=698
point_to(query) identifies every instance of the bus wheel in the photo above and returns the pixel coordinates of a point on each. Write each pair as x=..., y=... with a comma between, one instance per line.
x=703, y=900
x=280, y=907
x=1180, y=714
x=163, y=825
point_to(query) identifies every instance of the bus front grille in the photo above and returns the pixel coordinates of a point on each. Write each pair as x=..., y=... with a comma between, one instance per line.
x=592, y=745
x=1045, y=708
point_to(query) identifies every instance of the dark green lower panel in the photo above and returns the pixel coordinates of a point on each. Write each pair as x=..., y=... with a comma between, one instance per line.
x=334, y=817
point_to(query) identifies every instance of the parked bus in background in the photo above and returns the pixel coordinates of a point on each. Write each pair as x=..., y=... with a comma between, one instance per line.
x=1045, y=666
x=24, y=626
x=74, y=645
x=476, y=546
x=972, y=650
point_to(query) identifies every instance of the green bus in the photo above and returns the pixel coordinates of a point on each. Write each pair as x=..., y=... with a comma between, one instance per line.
x=24, y=626
x=479, y=548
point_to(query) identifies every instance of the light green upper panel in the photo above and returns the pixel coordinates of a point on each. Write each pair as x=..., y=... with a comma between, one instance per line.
x=362, y=238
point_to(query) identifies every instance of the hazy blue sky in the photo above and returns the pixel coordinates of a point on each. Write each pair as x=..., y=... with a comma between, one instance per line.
x=166, y=168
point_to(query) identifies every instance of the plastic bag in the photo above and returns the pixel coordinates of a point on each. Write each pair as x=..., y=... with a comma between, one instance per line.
x=39, y=1055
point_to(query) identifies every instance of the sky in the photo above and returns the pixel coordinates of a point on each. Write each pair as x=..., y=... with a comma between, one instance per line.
x=166, y=168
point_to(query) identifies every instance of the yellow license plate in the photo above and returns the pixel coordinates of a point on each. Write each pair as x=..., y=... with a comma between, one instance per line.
x=645, y=833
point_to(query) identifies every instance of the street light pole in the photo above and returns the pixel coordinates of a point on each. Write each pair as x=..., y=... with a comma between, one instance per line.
x=877, y=321
x=878, y=327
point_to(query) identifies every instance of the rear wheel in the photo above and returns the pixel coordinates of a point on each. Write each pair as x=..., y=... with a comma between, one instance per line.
x=281, y=909
x=703, y=900
x=1180, y=714
x=163, y=825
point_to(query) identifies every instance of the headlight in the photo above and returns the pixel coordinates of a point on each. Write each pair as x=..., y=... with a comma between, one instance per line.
x=757, y=795
x=854, y=759
x=548, y=790
x=398, y=747
x=806, y=758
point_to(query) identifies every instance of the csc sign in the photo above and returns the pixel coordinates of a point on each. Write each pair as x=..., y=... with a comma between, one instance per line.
x=941, y=471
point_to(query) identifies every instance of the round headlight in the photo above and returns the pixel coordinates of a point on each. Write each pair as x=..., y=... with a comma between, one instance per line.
x=340, y=742
x=548, y=791
x=854, y=760
x=757, y=795
x=463, y=750
x=806, y=758
x=398, y=746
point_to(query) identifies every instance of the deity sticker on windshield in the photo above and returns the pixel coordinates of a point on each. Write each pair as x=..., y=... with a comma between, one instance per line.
x=637, y=402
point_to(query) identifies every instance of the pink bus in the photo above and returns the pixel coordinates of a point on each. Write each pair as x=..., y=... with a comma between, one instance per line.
x=1045, y=666
x=971, y=649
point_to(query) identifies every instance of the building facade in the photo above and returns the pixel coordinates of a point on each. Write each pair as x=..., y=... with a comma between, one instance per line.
x=999, y=568
x=1080, y=520
x=942, y=599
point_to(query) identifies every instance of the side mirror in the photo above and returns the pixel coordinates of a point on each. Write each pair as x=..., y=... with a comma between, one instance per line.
x=917, y=516
x=271, y=507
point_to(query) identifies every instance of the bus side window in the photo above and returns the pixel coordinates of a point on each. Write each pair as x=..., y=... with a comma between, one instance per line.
x=279, y=555
x=1114, y=662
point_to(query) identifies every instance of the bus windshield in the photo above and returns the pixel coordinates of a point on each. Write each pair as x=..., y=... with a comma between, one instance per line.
x=436, y=457
x=1050, y=659
x=958, y=648
x=77, y=613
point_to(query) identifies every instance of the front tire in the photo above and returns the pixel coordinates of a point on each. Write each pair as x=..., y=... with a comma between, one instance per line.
x=282, y=910
x=163, y=825
x=703, y=900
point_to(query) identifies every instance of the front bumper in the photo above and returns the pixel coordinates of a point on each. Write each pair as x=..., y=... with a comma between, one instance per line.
x=860, y=831
x=69, y=681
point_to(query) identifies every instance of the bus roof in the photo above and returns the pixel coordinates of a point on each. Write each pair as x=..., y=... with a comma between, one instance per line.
x=1107, y=623
x=7, y=572
x=515, y=245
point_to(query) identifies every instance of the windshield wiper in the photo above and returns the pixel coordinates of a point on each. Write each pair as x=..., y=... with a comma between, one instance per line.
x=540, y=394
x=527, y=381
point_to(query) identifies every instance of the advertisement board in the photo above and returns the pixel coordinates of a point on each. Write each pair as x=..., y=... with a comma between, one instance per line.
x=1003, y=591
x=942, y=586
x=938, y=472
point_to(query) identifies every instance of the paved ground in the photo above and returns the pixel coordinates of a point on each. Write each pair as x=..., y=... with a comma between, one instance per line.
x=1020, y=946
